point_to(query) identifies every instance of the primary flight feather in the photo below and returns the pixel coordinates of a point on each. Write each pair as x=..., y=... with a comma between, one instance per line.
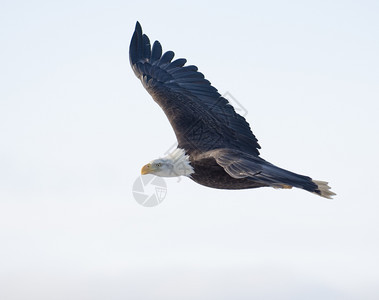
x=216, y=146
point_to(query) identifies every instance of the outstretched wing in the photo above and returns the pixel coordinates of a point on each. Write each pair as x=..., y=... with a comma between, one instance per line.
x=201, y=118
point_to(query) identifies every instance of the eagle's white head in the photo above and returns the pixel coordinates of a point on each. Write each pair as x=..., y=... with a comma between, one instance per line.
x=174, y=164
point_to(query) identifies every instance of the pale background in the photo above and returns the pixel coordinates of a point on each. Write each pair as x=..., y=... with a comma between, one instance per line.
x=76, y=126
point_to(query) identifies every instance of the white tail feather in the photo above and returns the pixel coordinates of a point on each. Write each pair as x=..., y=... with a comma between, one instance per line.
x=324, y=189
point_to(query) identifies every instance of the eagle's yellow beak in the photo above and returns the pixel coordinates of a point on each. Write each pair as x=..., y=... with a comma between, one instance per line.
x=146, y=169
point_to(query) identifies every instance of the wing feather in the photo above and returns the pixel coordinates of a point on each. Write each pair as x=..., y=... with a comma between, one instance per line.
x=178, y=63
x=156, y=52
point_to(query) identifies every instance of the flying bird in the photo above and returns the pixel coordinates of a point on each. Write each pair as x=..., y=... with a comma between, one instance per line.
x=216, y=147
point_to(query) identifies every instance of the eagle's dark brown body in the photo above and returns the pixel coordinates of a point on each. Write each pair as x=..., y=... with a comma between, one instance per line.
x=210, y=174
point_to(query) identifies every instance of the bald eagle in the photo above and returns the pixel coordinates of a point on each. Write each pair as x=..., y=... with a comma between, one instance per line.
x=216, y=147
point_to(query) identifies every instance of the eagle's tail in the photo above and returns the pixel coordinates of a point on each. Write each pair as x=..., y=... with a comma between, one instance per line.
x=284, y=179
x=323, y=189
x=241, y=165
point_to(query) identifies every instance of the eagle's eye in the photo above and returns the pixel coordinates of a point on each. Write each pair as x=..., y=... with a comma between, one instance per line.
x=158, y=165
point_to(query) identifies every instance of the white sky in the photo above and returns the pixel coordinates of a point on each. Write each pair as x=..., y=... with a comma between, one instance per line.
x=76, y=126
